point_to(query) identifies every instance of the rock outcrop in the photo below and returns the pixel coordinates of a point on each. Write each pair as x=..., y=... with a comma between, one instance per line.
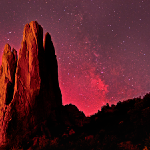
x=7, y=75
x=29, y=92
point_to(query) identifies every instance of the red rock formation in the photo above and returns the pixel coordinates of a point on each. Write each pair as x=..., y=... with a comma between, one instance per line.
x=36, y=95
x=52, y=72
x=30, y=97
x=7, y=74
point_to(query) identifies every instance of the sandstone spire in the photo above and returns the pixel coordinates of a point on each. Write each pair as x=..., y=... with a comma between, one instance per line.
x=7, y=74
x=36, y=92
x=52, y=72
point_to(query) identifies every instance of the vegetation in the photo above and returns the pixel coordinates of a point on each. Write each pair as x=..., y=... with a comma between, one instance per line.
x=125, y=126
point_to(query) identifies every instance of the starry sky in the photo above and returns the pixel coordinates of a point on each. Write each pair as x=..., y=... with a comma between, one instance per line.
x=102, y=46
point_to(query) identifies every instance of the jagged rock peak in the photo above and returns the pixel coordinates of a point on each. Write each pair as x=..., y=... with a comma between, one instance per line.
x=51, y=63
x=7, y=48
x=36, y=93
x=7, y=76
x=9, y=60
x=34, y=28
x=47, y=39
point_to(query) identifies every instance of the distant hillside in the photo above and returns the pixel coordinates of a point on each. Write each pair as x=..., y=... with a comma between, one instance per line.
x=125, y=126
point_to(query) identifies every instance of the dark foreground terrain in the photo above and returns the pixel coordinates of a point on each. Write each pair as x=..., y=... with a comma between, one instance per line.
x=125, y=126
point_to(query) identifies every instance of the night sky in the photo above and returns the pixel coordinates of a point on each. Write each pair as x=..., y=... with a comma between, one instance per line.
x=102, y=46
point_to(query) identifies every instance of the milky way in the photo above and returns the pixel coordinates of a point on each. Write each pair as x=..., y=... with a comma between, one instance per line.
x=102, y=46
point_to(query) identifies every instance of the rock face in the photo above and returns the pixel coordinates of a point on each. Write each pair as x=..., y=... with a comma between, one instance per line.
x=30, y=91
x=7, y=75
